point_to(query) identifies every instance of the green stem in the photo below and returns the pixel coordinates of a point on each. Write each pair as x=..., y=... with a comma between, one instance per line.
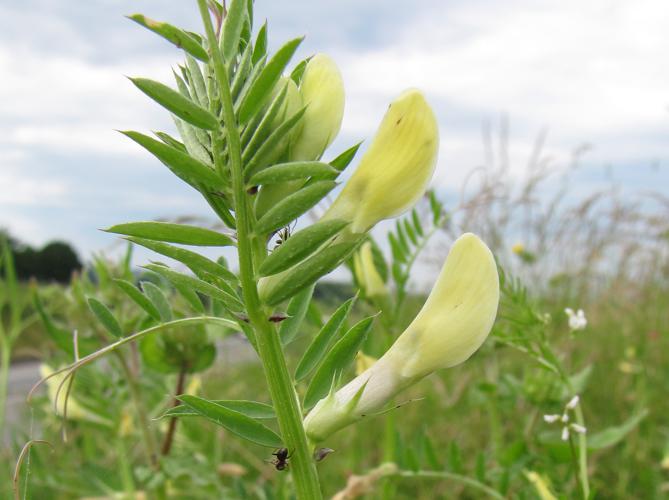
x=467, y=481
x=5, y=360
x=582, y=454
x=281, y=389
x=148, y=438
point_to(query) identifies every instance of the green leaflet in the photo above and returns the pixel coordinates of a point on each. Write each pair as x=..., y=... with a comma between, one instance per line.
x=284, y=286
x=176, y=103
x=232, y=28
x=173, y=34
x=262, y=87
x=273, y=146
x=291, y=207
x=343, y=160
x=195, y=262
x=171, y=141
x=172, y=233
x=300, y=246
x=252, y=409
x=336, y=361
x=138, y=297
x=105, y=317
x=260, y=47
x=230, y=301
x=293, y=171
x=613, y=435
x=255, y=134
x=297, y=309
x=321, y=342
x=241, y=73
x=234, y=421
x=158, y=299
x=183, y=165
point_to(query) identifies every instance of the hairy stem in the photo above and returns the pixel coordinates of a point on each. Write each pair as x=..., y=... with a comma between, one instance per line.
x=280, y=386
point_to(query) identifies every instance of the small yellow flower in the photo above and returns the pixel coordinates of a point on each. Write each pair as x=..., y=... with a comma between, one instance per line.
x=394, y=172
x=363, y=362
x=366, y=273
x=74, y=409
x=518, y=248
x=540, y=485
x=322, y=90
x=455, y=320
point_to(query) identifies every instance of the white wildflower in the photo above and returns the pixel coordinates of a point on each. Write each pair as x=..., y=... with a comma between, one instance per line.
x=564, y=419
x=577, y=320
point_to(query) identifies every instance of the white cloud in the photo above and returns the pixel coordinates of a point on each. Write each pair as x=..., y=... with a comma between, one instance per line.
x=69, y=104
x=20, y=189
x=593, y=71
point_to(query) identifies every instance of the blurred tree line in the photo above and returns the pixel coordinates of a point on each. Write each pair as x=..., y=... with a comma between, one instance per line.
x=55, y=261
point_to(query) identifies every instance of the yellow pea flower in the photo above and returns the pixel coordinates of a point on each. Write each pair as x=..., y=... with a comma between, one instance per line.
x=394, y=172
x=453, y=323
x=366, y=273
x=322, y=90
x=74, y=409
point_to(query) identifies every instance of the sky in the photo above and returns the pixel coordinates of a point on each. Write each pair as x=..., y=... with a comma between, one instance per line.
x=590, y=73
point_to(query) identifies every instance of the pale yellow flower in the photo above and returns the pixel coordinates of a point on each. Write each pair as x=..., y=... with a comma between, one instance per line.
x=322, y=90
x=366, y=273
x=540, y=485
x=396, y=169
x=74, y=409
x=455, y=320
x=518, y=248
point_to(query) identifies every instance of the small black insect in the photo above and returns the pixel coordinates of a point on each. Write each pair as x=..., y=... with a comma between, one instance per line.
x=281, y=460
x=282, y=236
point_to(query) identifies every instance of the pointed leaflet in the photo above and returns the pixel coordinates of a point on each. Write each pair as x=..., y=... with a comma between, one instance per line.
x=252, y=409
x=343, y=160
x=282, y=287
x=256, y=133
x=300, y=245
x=241, y=73
x=322, y=341
x=297, y=309
x=158, y=299
x=291, y=207
x=273, y=146
x=260, y=47
x=282, y=172
x=173, y=233
x=138, y=297
x=232, y=27
x=183, y=165
x=105, y=317
x=193, y=260
x=173, y=34
x=234, y=421
x=176, y=103
x=262, y=87
x=336, y=361
x=230, y=301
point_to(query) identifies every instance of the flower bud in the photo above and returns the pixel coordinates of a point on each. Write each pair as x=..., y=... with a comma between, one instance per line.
x=322, y=90
x=455, y=320
x=394, y=172
x=366, y=273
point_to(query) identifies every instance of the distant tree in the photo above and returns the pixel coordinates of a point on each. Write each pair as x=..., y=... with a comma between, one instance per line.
x=56, y=261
